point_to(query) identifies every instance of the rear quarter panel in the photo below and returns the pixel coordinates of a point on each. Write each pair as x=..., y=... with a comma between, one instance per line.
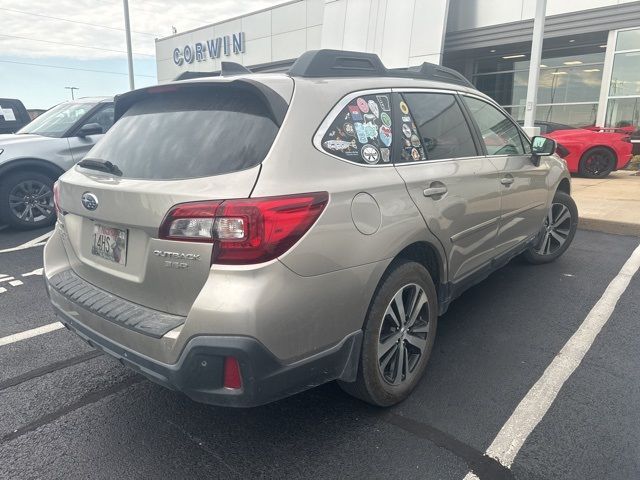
x=295, y=166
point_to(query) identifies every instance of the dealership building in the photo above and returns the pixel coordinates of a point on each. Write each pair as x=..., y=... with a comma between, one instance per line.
x=590, y=71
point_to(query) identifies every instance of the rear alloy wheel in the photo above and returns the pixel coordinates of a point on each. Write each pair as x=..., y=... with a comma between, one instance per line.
x=558, y=230
x=26, y=200
x=398, y=336
x=597, y=163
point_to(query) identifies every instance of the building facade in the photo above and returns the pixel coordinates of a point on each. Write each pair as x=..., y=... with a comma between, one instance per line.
x=590, y=72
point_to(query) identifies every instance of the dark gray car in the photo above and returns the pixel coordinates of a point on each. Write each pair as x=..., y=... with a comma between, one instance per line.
x=32, y=159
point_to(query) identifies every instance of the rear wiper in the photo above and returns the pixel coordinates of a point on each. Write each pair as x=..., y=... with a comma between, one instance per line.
x=100, y=165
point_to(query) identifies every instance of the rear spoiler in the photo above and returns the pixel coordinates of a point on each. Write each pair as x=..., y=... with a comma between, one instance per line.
x=275, y=103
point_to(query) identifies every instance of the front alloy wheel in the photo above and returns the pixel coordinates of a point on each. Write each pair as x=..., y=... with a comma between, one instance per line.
x=403, y=334
x=556, y=230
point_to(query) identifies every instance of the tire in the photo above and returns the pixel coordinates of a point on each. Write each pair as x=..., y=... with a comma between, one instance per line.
x=391, y=384
x=26, y=200
x=597, y=163
x=548, y=246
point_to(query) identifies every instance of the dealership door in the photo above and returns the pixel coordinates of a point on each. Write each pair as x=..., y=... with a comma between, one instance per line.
x=455, y=188
x=523, y=184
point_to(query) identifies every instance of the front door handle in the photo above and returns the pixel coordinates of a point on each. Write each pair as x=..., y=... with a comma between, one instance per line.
x=506, y=181
x=434, y=191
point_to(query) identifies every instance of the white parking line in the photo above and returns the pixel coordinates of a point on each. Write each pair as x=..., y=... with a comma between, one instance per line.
x=36, y=242
x=538, y=400
x=16, y=337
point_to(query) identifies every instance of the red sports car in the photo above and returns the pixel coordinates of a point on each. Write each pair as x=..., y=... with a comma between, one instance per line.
x=591, y=151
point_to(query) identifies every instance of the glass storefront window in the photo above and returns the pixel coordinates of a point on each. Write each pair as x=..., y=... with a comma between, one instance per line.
x=625, y=79
x=628, y=40
x=580, y=115
x=569, y=84
x=623, y=112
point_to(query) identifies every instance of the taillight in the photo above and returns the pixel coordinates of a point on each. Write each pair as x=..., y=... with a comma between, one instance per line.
x=56, y=197
x=245, y=231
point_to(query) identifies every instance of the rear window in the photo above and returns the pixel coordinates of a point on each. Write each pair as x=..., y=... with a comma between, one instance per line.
x=189, y=134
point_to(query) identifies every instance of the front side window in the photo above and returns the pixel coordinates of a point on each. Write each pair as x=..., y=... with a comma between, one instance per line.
x=361, y=132
x=103, y=117
x=441, y=126
x=499, y=133
x=55, y=122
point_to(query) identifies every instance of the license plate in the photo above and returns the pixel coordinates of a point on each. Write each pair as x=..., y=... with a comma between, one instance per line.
x=109, y=243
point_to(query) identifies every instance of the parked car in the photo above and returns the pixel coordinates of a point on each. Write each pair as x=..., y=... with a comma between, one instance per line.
x=592, y=152
x=32, y=159
x=13, y=115
x=240, y=243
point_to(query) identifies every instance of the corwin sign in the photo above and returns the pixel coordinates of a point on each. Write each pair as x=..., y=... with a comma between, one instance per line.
x=212, y=49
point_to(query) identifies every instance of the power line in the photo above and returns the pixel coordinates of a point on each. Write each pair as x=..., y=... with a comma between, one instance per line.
x=72, y=44
x=74, y=21
x=72, y=68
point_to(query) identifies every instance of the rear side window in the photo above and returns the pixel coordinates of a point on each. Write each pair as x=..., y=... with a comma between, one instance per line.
x=189, y=134
x=361, y=132
x=499, y=133
x=441, y=126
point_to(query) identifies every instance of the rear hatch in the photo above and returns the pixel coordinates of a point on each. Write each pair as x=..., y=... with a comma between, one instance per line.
x=173, y=144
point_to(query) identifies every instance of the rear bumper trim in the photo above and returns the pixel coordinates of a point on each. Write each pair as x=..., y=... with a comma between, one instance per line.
x=198, y=373
x=115, y=309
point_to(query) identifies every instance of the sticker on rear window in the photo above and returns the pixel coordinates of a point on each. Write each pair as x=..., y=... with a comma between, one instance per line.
x=362, y=131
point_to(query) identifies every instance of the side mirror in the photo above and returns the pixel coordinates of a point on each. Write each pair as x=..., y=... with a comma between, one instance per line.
x=543, y=146
x=90, y=129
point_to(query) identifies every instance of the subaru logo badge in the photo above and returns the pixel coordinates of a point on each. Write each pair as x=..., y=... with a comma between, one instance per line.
x=90, y=201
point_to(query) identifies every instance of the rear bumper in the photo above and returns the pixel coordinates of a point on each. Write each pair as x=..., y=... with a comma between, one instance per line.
x=199, y=370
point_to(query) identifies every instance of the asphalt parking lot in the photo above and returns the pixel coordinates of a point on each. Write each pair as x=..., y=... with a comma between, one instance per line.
x=69, y=412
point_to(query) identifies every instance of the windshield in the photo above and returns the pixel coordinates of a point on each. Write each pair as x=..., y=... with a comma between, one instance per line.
x=56, y=121
x=189, y=134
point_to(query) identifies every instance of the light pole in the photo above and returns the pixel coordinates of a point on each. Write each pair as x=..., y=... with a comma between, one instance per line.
x=72, y=89
x=127, y=29
x=534, y=69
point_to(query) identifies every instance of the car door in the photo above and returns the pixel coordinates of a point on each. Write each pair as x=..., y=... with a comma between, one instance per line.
x=523, y=181
x=453, y=185
x=80, y=146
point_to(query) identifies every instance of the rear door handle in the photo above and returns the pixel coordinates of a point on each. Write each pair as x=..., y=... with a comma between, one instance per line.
x=434, y=191
x=506, y=181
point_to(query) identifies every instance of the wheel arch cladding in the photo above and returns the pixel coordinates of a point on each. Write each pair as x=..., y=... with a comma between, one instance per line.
x=43, y=167
x=564, y=186
x=425, y=254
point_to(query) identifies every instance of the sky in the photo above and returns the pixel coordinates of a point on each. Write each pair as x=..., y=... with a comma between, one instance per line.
x=47, y=45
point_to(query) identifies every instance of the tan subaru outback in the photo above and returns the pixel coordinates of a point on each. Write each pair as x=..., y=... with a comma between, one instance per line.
x=244, y=237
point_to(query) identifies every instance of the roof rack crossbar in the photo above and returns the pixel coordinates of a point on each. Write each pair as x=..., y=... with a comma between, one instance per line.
x=340, y=63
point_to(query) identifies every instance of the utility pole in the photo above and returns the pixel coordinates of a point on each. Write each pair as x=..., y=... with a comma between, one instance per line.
x=534, y=68
x=72, y=89
x=127, y=28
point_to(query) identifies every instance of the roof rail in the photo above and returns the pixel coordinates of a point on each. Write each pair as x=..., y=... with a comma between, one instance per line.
x=228, y=69
x=337, y=63
x=432, y=71
x=341, y=63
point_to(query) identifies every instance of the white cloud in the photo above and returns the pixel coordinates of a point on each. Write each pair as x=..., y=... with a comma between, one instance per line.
x=19, y=32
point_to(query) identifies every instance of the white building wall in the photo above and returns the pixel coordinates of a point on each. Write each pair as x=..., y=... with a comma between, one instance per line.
x=469, y=14
x=278, y=33
x=402, y=32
